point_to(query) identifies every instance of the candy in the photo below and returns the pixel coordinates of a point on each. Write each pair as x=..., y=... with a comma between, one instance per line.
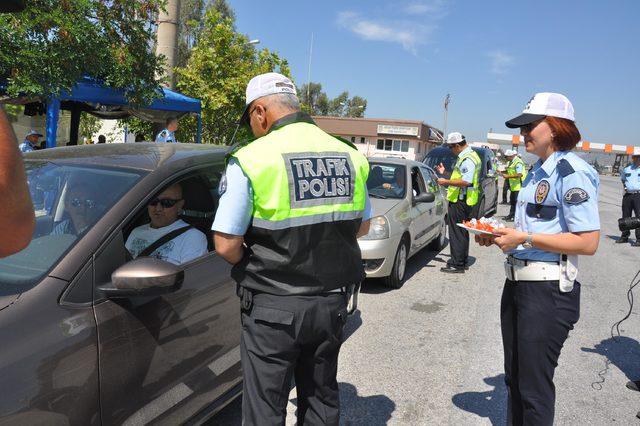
x=483, y=224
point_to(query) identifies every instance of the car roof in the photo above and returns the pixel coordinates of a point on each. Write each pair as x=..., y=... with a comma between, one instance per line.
x=391, y=160
x=141, y=155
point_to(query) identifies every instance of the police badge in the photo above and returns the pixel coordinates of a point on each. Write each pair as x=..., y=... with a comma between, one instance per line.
x=542, y=190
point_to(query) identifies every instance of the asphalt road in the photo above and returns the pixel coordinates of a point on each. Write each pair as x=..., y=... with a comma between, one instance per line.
x=430, y=353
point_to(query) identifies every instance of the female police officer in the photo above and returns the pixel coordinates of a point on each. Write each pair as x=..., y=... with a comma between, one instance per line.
x=556, y=220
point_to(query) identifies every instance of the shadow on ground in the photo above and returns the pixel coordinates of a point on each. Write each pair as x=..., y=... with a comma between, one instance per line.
x=623, y=352
x=374, y=410
x=491, y=404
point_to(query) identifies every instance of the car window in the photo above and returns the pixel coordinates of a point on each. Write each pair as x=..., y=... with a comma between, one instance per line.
x=68, y=201
x=196, y=208
x=429, y=179
x=434, y=160
x=417, y=182
x=387, y=180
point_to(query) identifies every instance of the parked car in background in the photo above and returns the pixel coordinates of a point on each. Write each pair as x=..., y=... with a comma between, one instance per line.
x=409, y=211
x=488, y=204
x=92, y=337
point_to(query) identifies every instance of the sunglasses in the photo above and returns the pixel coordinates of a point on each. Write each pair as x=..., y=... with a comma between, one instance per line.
x=77, y=202
x=166, y=203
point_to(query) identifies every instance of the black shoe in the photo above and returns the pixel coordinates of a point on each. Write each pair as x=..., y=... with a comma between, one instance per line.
x=634, y=385
x=622, y=240
x=636, y=243
x=508, y=218
x=638, y=415
x=452, y=270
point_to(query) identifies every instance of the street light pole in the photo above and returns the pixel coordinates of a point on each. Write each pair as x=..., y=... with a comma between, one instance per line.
x=309, y=73
x=447, y=99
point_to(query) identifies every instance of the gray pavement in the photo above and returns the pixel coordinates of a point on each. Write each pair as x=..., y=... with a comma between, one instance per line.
x=430, y=353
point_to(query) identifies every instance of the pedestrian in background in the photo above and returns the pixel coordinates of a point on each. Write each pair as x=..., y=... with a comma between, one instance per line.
x=515, y=174
x=102, y=139
x=294, y=201
x=463, y=193
x=30, y=142
x=168, y=133
x=556, y=220
x=630, y=177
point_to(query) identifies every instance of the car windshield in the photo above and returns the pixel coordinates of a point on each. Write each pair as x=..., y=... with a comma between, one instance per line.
x=387, y=180
x=68, y=201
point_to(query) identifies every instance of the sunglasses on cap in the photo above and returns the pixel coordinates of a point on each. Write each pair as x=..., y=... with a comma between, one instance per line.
x=77, y=202
x=167, y=203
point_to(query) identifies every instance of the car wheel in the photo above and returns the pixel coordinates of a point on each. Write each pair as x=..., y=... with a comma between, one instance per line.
x=396, y=278
x=438, y=242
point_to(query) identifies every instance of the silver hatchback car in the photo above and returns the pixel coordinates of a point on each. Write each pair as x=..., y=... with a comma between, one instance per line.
x=409, y=209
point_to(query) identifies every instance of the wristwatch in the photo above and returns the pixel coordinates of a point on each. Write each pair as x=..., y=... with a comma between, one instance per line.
x=528, y=242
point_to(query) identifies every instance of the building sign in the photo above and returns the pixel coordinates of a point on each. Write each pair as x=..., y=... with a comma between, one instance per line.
x=398, y=130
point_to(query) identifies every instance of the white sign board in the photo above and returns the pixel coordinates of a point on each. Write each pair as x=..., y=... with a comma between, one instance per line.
x=387, y=129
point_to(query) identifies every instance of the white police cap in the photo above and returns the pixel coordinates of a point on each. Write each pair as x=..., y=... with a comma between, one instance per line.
x=543, y=105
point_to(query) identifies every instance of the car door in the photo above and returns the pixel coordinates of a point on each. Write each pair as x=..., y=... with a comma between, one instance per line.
x=488, y=182
x=437, y=208
x=420, y=212
x=163, y=359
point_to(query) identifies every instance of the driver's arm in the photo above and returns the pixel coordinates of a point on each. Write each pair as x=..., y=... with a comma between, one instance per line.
x=17, y=220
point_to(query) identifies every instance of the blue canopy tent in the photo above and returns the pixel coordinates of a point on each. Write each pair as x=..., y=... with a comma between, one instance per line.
x=105, y=102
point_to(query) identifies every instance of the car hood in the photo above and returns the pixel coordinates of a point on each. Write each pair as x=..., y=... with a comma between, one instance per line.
x=381, y=206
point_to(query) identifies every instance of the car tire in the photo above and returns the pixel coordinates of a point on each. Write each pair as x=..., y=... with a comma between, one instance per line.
x=439, y=242
x=396, y=278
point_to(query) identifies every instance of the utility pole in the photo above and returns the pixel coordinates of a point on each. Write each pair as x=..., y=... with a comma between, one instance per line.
x=168, y=37
x=447, y=99
x=309, y=73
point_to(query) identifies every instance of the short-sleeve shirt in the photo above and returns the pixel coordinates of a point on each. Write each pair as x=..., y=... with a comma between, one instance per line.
x=26, y=146
x=559, y=195
x=236, y=202
x=468, y=167
x=183, y=248
x=166, y=136
x=630, y=177
x=519, y=168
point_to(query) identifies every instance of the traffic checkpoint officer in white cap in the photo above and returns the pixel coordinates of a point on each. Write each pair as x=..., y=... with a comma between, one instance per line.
x=30, y=141
x=463, y=193
x=294, y=201
x=515, y=174
x=556, y=221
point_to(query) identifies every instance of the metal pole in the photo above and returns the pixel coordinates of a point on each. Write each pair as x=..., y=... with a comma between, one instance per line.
x=309, y=73
x=53, y=113
x=168, y=37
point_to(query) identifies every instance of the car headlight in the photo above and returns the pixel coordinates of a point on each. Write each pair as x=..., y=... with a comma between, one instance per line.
x=378, y=230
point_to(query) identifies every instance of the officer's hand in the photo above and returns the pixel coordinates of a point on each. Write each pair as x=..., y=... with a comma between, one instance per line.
x=440, y=169
x=509, y=238
x=442, y=181
x=485, y=240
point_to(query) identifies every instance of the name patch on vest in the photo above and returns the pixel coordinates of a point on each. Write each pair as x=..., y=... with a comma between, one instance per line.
x=319, y=178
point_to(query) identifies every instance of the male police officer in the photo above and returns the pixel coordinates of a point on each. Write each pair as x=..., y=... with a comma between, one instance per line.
x=630, y=177
x=515, y=174
x=168, y=135
x=30, y=141
x=463, y=193
x=293, y=203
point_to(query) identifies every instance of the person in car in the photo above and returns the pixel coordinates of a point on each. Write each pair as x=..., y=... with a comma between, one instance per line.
x=164, y=211
x=80, y=210
x=399, y=182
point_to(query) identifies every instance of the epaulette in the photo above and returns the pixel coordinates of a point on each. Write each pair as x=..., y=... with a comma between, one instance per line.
x=343, y=140
x=564, y=168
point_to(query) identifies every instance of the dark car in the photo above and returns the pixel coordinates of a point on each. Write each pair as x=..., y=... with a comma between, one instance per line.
x=488, y=204
x=90, y=336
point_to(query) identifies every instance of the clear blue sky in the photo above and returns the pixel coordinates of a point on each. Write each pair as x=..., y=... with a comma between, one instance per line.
x=492, y=56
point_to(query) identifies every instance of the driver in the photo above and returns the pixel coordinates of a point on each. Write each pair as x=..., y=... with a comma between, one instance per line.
x=81, y=210
x=398, y=184
x=164, y=211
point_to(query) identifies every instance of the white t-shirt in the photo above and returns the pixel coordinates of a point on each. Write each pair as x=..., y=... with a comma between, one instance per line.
x=181, y=249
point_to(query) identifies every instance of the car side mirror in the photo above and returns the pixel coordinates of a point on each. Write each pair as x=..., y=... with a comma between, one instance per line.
x=146, y=276
x=425, y=197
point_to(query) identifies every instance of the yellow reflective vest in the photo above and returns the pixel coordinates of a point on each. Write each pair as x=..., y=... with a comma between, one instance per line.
x=473, y=191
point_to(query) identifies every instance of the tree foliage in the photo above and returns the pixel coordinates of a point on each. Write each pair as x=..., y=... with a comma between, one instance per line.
x=53, y=43
x=316, y=102
x=217, y=72
x=89, y=125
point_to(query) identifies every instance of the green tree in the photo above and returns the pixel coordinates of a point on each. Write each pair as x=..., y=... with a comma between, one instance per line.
x=316, y=102
x=356, y=107
x=53, y=43
x=217, y=72
x=89, y=125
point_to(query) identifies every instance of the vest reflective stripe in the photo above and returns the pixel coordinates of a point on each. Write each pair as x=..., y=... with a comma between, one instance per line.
x=307, y=220
x=473, y=191
x=515, y=184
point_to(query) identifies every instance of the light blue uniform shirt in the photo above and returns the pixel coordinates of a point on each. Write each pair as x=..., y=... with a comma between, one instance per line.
x=236, y=203
x=166, y=136
x=630, y=177
x=519, y=168
x=549, y=203
x=26, y=146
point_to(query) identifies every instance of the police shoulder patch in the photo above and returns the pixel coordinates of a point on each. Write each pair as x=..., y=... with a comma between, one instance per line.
x=576, y=196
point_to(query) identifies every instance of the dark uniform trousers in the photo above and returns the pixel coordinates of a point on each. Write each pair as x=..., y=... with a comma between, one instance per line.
x=513, y=200
x=536, y=318
x=285, y=337
x=631, y=205
x=505, y=188
x=458, y=237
